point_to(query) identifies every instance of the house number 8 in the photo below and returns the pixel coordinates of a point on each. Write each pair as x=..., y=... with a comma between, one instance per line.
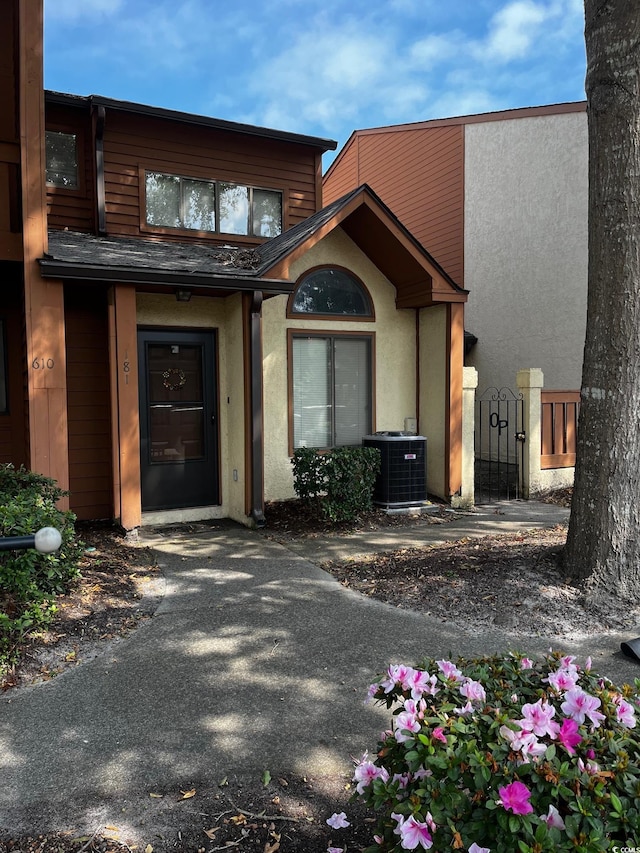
x=43, y=364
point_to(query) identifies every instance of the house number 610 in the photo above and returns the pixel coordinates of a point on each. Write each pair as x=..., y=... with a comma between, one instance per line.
x=43, y=364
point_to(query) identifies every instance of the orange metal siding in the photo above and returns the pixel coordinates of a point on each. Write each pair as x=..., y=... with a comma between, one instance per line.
x=419, y=174
x=88, y=400
x=342, y=176
x=133, y=143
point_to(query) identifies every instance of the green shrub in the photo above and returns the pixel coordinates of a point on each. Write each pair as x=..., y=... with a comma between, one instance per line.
x=29, y=580
x=341, y=480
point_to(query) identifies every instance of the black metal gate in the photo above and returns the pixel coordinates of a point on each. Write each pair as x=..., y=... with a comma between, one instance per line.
x=499, y=445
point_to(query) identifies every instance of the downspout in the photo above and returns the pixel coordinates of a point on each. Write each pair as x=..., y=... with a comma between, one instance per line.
x=100, y=191
x=257, y=438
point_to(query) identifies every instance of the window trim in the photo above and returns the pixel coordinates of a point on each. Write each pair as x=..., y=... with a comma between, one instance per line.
x=192, y=232
x=80, y=190
x=327, y=333
x=340, y=318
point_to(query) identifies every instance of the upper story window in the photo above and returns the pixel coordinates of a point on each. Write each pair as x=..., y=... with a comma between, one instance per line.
x=62, y=159
x=173, y=201
x=331, y=292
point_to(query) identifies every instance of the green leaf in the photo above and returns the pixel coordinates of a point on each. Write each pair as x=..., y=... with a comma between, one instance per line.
x=615, y=802
x=266, y=778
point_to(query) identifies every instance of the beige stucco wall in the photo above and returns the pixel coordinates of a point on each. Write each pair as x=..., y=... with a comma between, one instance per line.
x=223, y=315
x=526, y=247
x=395, y=362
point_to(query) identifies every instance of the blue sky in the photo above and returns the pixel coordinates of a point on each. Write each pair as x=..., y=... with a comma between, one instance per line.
x=319, y=67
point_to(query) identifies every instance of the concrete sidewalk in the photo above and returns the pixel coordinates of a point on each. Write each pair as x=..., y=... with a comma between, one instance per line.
x=255, y=659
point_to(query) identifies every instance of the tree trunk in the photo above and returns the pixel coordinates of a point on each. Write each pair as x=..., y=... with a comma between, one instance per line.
x=603, y=544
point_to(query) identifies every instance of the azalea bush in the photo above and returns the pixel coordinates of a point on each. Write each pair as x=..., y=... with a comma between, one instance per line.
x=29, y=580
x=504, y=754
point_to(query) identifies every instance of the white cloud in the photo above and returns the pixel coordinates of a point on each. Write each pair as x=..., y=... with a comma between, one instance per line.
x=514, y=29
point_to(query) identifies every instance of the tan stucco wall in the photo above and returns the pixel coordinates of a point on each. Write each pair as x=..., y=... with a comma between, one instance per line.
x=526, y=247
x=395, y=368
x=433, y=392
x=224, y=316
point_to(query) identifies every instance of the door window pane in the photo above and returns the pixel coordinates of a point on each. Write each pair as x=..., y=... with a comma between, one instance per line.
x=176, y=403
x=234, y=209
x=267, y=213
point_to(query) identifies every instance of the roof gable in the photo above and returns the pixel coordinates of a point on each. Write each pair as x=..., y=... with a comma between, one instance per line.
x=418, y=278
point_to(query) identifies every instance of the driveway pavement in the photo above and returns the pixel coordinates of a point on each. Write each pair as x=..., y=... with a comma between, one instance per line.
x=256, y=659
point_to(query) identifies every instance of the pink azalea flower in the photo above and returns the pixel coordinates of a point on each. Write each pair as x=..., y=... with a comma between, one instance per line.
x=589, y=767
x=553, y=818
x=562, y=680
x=371, y=693
x=526, y=663
x=419, y=682
x=338, y=821
x=396, y=674
x=449, y=670
x=465, y=710
x=515, y=798
x=568, y=735
x=588, y=664
x=625, y=713
x=578, y=704
x=524, y=742
x=413, y=833
x=402, y=779
x=438, y=734
x=536, y=718
x=476, y=849
x=474, y=692
x=366, y=771
x=335, y=850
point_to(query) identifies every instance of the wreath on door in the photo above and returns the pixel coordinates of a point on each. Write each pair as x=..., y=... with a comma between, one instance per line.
x=174, y=378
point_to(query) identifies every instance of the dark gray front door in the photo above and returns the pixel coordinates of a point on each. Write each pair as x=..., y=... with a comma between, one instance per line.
x=178, y=419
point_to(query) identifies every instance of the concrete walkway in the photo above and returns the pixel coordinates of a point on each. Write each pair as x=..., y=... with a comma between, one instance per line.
x=255, y=659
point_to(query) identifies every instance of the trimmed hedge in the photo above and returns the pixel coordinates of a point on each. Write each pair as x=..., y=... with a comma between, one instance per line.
x=339, y=481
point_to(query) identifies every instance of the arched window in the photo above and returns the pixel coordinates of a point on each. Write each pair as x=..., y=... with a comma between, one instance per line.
x=331, y=292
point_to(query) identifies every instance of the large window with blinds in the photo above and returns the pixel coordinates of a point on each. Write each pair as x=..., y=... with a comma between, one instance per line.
x=331, y=379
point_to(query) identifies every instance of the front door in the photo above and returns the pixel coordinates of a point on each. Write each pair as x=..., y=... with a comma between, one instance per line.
x=178, y=419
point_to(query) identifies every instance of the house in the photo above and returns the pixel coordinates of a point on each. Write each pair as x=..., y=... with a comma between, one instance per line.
x=500, y=200
x=181, y=312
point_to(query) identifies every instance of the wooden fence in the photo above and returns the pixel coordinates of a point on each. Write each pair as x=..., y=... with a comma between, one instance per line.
x=560, y=410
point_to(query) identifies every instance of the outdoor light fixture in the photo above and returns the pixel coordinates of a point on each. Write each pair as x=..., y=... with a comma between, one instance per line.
x=183, y=295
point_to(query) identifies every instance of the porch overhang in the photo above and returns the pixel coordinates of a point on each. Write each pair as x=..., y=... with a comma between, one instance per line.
x=137, y=276
x=156, y=265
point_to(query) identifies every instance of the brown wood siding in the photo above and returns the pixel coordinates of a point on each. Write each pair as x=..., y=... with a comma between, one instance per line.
x=560, y=410
x=88, y=402
x=134, y=143
x=10, y=218
x=342, y=176
x=419, y=174
x=73, y=209
x=13, y=447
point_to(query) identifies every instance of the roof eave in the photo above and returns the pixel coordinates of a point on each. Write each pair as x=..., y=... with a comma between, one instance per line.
x=51, y=268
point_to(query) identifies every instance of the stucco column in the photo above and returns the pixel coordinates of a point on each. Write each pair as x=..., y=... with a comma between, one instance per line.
x=530, y=383
x=466, y=498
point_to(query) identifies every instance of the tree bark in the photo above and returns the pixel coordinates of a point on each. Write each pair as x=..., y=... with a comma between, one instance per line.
x=603, y=544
